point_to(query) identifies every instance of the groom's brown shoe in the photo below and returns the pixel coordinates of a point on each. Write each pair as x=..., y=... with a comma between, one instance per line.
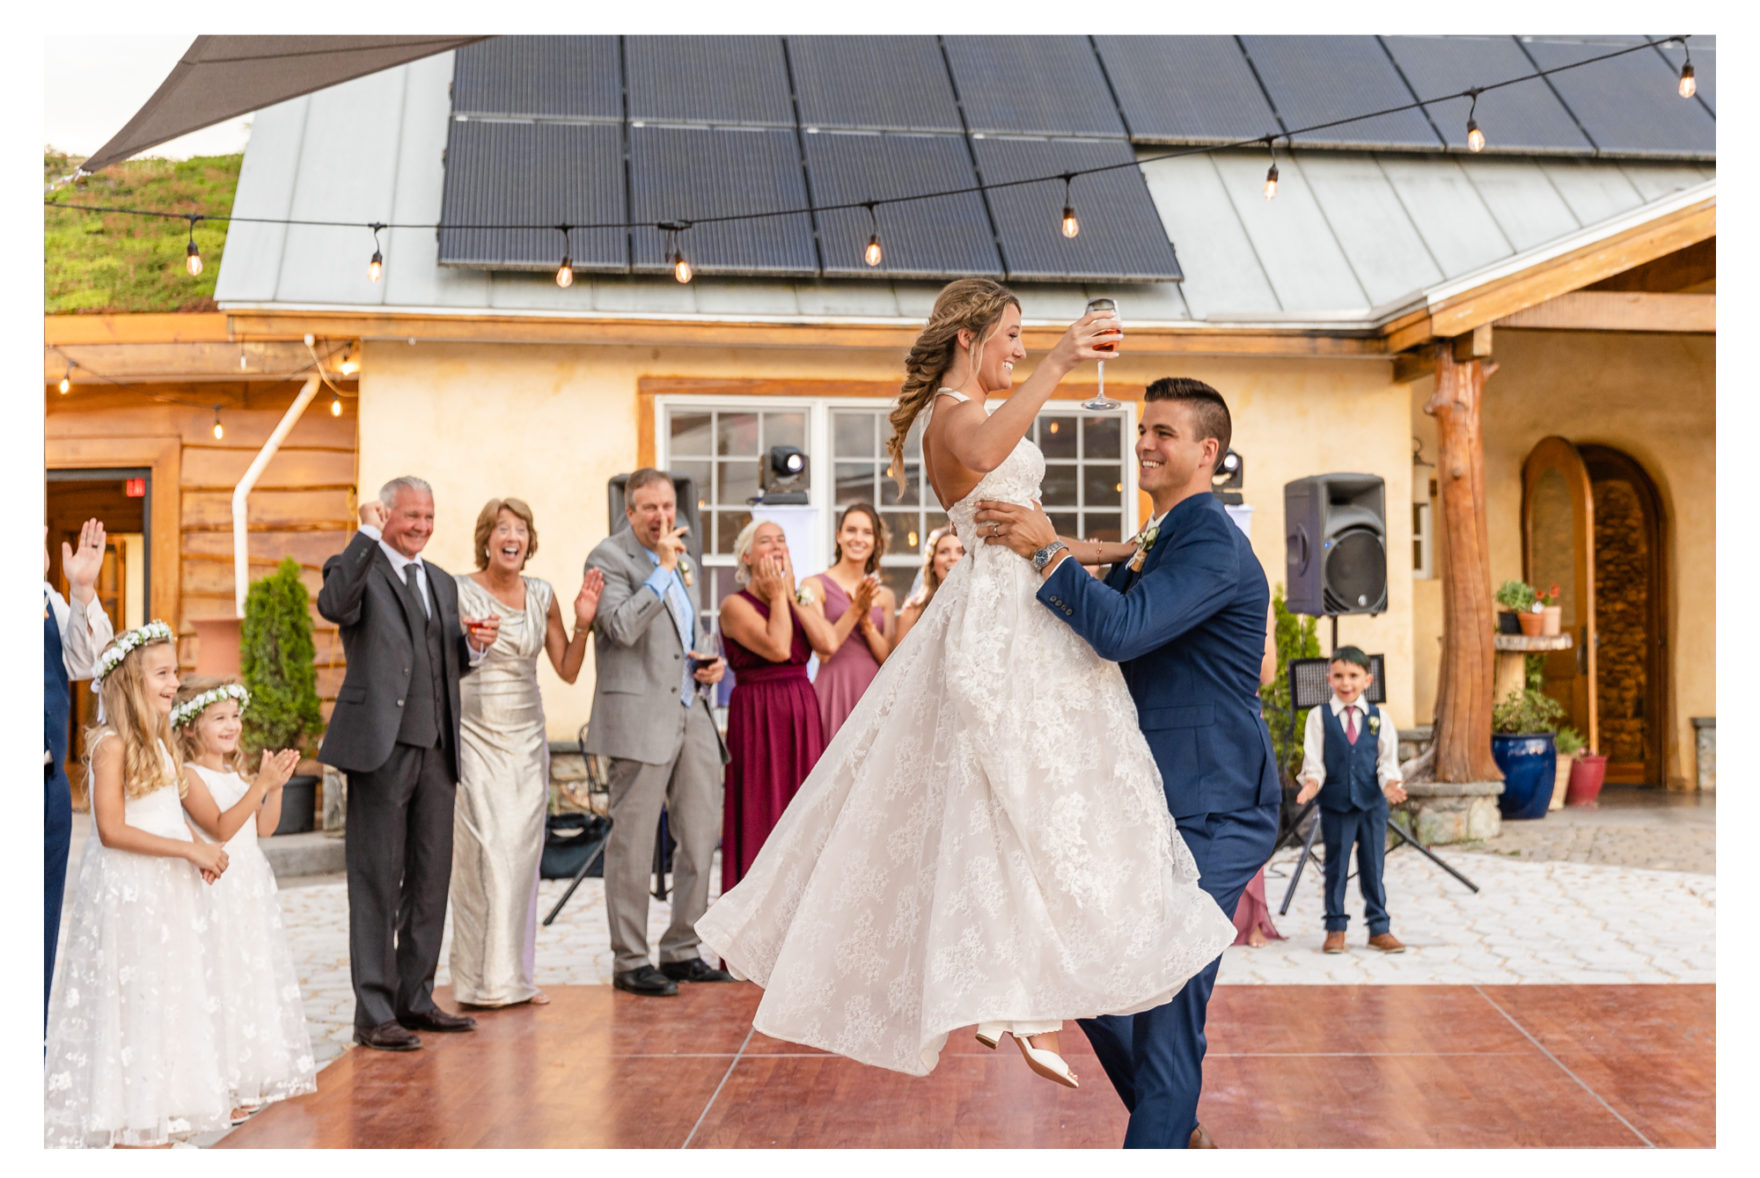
x=1334, y=942
x=1201, y=1138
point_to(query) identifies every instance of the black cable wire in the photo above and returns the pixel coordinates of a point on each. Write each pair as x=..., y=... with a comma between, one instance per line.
x=1287, y=136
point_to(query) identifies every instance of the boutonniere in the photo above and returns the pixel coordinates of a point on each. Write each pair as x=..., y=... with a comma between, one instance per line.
x=1144, y=540
x=685, y=572
x=1374, y=723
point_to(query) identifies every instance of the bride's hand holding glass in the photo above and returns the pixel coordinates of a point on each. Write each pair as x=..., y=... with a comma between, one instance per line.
x=1095, y=336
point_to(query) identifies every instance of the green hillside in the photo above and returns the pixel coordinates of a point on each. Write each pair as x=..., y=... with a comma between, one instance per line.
x=100, y=263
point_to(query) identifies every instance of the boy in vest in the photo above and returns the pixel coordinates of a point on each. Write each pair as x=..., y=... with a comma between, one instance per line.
x=1350, y=758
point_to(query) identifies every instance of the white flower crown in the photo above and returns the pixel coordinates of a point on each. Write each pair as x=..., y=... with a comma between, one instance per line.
x=123, y=643
x=192, y=708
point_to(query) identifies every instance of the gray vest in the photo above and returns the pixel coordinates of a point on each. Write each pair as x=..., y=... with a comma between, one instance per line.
x=424, y=710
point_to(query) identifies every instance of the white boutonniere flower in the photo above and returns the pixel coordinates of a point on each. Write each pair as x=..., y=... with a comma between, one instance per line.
x=1375, y=723
x=685, y=572
x=1144, y=540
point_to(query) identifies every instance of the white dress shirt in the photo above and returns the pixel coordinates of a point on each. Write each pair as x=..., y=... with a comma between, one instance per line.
x=84, y=633
x=398, y=562
x=1314, y=742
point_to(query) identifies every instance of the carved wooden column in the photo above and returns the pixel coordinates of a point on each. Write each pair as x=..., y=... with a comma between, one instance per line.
x=1462, y=745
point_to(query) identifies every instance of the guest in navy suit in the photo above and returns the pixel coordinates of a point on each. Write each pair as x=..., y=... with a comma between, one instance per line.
x=1356, y=779
x=1185, y=620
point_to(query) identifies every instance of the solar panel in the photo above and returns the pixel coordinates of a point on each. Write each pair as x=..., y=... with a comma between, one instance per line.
x=1704, y=66
x=1628, y=105
x=539, y=77
x=1122, y=237
x=872, y=83
x=919, y=238
x=1315, y=80
x=1523, y=117
x=1185, y=89
x=520, y=173
x=719, y=80
x=689, y=173
x=1031, y=86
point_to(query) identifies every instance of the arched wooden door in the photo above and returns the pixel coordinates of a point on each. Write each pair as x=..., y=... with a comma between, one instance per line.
x=1558, y=548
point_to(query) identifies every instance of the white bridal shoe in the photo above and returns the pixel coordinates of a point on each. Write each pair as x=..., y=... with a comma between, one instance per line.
x=1043, y=1061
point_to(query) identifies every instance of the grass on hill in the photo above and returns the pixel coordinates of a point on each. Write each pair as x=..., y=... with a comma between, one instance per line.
x=108, y=263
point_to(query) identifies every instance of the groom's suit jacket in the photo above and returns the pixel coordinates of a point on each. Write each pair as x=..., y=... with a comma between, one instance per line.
x=1189, y=632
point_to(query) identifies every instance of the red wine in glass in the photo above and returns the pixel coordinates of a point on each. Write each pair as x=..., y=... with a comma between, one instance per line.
x=1101, y=401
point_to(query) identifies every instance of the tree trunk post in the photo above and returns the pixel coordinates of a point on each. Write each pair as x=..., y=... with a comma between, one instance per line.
x=1464, y=691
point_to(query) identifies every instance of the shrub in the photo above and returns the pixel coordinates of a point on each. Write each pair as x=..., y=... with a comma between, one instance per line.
x=1516, y=595
x=1569, y=742
x=1526, y=711
x=275, y=661
x=1298, y=637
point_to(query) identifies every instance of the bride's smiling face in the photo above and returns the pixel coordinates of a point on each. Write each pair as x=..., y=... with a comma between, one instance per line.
x=1002, y=349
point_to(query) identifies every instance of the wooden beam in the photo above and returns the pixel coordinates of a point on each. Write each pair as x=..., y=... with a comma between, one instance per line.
x=1673, y=273
x=178, y=361
x=1411, y=367
x=1474, y=345
x=1609, y=310
x=135, y=329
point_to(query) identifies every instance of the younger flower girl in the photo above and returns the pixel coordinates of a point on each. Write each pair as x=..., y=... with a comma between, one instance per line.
x=133, y=1056
x=265, y=1052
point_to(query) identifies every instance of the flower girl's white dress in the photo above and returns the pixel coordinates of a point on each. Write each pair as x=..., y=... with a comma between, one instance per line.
x=263, y=1040
x=985, y=839
x=133, y=1055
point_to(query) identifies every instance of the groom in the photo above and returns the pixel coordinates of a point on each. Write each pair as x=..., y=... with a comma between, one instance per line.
x=1187, y=627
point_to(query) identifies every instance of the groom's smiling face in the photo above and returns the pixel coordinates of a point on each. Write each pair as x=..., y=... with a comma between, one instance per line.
x=1169, y=448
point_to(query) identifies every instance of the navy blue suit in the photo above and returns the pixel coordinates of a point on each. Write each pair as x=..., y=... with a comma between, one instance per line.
x=57, y=800
x=1353, y=810
x=1189, y=634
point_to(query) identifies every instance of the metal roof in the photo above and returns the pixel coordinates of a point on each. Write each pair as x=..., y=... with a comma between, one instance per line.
x=1349, y=232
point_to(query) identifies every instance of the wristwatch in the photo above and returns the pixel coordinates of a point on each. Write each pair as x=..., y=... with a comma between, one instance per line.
x=1043, y=557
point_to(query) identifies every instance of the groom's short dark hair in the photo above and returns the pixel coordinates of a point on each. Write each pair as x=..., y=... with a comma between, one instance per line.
x=1209, y=410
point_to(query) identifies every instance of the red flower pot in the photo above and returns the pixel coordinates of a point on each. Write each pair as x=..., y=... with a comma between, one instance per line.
x=1586, y=774
x=1530, y=622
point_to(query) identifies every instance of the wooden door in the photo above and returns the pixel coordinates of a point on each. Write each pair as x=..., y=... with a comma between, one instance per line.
x=1558, y=548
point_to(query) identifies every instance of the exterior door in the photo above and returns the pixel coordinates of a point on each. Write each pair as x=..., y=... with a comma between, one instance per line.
x=1558, y=548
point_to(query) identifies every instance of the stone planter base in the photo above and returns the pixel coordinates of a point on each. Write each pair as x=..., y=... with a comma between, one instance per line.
x=1444, y=812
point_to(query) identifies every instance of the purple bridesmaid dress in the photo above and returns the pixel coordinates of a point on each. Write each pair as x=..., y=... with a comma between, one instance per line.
x=841, y=682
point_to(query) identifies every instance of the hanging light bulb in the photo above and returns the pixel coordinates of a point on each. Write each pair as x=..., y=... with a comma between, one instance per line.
x=1475, y=137
x=335, y=406
x=351, y=363
x=219, y=430
x=1070, y=225
x=376, y=267
x=681, y=269
x=1271, y=175
x=565, y=271
x=66, y=380
x=192, y=257
x=674, y=253
x=871, y=255
x=1688, y=86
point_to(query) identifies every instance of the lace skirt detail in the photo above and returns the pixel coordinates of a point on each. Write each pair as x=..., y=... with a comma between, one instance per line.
x=263, y=1042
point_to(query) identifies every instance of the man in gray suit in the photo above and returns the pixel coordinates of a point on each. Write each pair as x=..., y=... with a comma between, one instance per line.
x=655, y=725
x=394, y=731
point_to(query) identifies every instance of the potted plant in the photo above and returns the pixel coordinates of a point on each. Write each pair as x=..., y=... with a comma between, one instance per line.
x=1516, y=598
x=275, y=661
x=1551, y=613
x=1587, y=772
x=1567, y=742
x=1522, y=728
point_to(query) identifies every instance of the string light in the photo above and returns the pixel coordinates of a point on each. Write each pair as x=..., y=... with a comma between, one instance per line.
x=1271, y=176
x=67, y=379
x=681, y=269
x=1475, y=137
x=351, y=363
x=219, y=430
x=335, y=406
x=565, y=272
x=192, y=257
x=871, y=255
x=1688, y=86
x=376, y=267
x=1071, y=226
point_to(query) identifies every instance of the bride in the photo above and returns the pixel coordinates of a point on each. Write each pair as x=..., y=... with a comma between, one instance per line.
x=986, y=840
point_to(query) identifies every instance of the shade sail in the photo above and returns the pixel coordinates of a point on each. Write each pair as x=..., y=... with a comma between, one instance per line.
x=220, y=78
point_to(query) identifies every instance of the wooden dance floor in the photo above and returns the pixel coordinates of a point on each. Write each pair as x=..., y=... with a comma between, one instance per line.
x=1289, y=1066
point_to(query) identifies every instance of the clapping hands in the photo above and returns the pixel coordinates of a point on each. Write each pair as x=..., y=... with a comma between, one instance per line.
x=862, y=600
x=277, y=768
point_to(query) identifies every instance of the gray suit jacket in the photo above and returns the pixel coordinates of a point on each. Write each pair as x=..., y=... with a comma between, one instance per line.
x=639, y=662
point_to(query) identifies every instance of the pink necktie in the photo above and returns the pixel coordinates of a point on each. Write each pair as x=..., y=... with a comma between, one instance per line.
x=1350, y=724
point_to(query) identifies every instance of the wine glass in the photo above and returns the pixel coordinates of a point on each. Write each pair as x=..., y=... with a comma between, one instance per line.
x=706, y=651
x=1101, y=401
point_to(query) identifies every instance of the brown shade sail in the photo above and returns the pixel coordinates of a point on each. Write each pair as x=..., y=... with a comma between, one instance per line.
x=219, y=78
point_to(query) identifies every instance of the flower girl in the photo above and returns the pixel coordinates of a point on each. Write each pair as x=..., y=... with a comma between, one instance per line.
x=264, y=1048
x=133, y=1056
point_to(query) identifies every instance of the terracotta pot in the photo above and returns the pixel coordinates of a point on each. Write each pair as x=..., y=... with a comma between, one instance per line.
x=1530, y=623
x=1552, y=621
x=1586, y=774
x=1561, y=781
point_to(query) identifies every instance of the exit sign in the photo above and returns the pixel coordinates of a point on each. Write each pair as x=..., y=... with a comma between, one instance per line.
x=135, y=488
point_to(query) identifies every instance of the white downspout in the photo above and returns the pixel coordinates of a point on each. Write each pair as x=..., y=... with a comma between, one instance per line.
x=241, y=566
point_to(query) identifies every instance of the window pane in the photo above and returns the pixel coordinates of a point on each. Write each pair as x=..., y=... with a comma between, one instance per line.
x=725, y=587
x=906, y=538
x=727, y=526
x=855, y=482
x=890, y=496
x=699, y=473
x=1101, y=436
x=1059, y=486
x=1064, y=522
x=739, y=482
x=737, y=433
x=1101, y=525
x=852, y=433
x=692, y=435
x=1102, y=486
x=899, y=579
x=785, y=429
x=1057, y=436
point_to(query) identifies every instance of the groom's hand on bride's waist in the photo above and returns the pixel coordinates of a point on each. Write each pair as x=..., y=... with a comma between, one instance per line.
x=1022, y=529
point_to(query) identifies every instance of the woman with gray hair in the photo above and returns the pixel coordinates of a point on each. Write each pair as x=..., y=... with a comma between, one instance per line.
x=773, y=730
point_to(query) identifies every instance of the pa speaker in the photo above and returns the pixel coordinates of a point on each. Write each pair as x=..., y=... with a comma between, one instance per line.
x=685, y=487
x=1335, y=542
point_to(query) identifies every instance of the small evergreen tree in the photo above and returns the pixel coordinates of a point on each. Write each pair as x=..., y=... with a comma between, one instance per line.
x=275, y=661
x=1298, y=637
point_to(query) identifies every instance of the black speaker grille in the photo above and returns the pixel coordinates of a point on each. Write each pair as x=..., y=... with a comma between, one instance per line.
x=1356, y=572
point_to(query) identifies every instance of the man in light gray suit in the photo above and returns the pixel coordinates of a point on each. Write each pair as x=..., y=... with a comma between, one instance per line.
x=655, y=725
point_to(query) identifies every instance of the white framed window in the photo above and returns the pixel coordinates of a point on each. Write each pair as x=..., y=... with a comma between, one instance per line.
x=1089, y=489
x=1423, y=542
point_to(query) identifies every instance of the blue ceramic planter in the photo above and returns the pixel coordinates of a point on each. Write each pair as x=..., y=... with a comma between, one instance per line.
x=1529, y=763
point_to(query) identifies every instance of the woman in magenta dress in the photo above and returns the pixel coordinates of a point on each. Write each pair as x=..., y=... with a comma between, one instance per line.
x=773, y=729
x=860, y=612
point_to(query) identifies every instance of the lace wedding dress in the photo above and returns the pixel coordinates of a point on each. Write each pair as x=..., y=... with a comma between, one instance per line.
x=985, y=839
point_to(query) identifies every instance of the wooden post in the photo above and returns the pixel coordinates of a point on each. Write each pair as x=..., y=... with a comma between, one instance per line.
x=1462, y=744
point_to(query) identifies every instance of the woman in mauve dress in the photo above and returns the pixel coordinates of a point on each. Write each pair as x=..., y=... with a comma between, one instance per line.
x=861, y=612
x=773, y=731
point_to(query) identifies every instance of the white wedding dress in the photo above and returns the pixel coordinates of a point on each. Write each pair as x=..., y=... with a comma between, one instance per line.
x=985, y=839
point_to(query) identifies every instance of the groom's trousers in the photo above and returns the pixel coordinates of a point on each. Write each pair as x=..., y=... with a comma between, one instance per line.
x=1156, y=1059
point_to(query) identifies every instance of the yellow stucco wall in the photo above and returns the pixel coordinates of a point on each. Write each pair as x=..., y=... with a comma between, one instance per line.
x=551, y=423
x=1652, y=396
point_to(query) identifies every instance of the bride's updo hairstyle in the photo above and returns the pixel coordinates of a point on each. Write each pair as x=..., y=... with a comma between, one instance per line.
x=966, y=304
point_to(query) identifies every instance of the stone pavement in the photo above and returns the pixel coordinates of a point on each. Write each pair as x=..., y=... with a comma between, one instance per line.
x=1631, y=827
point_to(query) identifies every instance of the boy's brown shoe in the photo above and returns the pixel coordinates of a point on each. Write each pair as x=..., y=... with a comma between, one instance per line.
x=1335, y=942
x=1387, y=943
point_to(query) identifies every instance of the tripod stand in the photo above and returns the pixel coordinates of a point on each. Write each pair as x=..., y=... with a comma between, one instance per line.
x=1393, y=825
